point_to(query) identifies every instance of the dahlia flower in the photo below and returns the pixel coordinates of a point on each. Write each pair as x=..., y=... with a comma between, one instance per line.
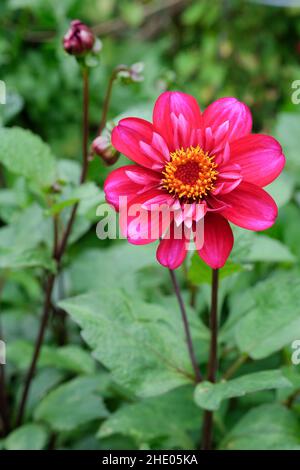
x=209, y=160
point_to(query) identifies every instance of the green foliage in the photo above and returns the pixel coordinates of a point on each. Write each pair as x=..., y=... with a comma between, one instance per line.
x=270, y=320
x=200, y=273
x=171, y=416
x=26, y=154
x=72, y=404
x=268, y=427
x=148, y=353
x=209, y=396
x=27, y=437
x=27, y=259
x=286, y=131
x=70, y=358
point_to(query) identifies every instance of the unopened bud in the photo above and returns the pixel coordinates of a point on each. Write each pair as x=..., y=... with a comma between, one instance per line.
x=79, y=39
x=132, y=74
x=136, y=72
x=102, y=147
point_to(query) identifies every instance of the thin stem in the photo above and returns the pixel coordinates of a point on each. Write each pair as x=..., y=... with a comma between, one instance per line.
x=192, y=287
x=58, y=252
x=60, y=316
x=291, y=399
x=189, y=341
x=55, y=235
x=61, y=248
x=37, y=348
x=85, y=162
x=235, y=366
x=213, y=359
x=193, y=295
x=108, y=96
x=85, y=125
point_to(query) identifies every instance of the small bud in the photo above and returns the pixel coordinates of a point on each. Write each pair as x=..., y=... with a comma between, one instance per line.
x=102, y=147
x=132, y=74
x=79, y=39
x=136, y=72
x=56, y=187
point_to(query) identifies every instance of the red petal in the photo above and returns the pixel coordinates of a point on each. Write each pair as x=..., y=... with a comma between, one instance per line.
x=140, y=225
x=228, y=109
x=176, y=115
x=128, y=181
x=260, y=157
x=171, y=252
x=136, y=139
x=251, y=207
x=218, y=240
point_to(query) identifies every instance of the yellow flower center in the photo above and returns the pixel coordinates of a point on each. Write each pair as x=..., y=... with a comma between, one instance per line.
x=190, y=173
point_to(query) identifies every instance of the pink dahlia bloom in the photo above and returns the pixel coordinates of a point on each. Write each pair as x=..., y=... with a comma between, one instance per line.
x=208, y=160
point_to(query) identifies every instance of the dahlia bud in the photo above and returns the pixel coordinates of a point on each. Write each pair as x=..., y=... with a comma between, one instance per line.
x=102, y=147
x=79, y=39
x=136, y=72
x=132, y=74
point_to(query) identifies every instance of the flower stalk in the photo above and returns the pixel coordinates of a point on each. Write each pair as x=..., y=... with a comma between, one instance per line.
x=198, y=375
x=207, y=432
x=113, y=77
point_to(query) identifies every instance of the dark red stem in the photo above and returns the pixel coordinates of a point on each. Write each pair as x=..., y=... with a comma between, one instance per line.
x=207, y=431
x=188, y=336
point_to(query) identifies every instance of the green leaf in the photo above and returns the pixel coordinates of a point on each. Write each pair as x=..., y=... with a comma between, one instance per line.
x=33, y=258
x=27, y=437
x=200, y=272
x=60, y=206
x=44, y=380
x=267, y=427
x=282, y=188
x=71, y=358
x=25, y=242
x=27, y=230
x=268, y=249
x=72, y=404
x=88, y=194
x=13, y=106
x=271, y=317
x=120, y=262
x=292, y=373
x=68, y=171
x=209, y=396
x=24, y=153
x=142, y=344
x=243, y=242
x=286, y=132
x=250, y=247
x=173, y=415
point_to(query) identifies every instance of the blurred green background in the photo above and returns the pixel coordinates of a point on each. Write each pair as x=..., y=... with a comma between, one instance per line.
x=206, y=48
